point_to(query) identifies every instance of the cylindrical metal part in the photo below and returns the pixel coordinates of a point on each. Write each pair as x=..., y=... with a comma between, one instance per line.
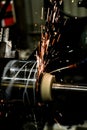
x=19, y=73
x=68, y=87
x=18, y=80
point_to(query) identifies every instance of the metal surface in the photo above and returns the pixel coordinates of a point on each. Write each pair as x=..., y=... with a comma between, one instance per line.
x=68, y=87
x=19, y=72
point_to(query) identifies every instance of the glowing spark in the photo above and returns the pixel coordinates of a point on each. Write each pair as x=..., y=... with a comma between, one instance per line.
x=63, y=68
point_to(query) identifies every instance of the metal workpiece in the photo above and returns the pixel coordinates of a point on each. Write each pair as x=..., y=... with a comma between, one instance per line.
x=68, y=87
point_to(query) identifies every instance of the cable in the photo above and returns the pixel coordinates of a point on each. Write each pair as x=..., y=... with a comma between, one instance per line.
x=25, y=90
x=8, y=90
